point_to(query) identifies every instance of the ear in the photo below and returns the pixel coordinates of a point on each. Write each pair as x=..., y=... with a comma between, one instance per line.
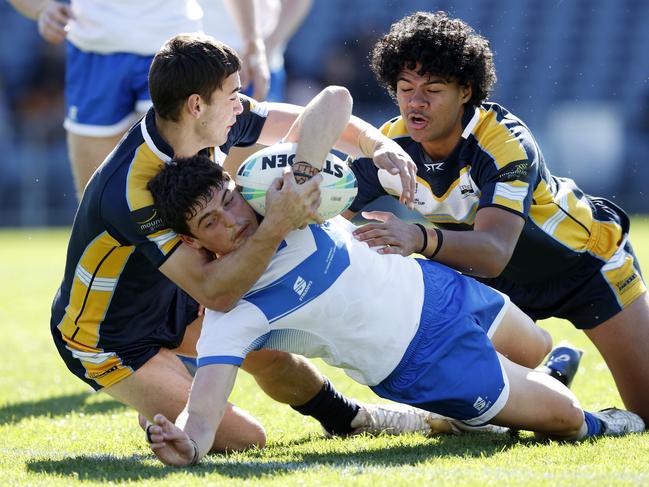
x=191, y=241
x=194, y=105
x=466, y=92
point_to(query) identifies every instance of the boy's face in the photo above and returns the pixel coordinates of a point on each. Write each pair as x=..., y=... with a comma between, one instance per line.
x=431, y=106
x=224, y=223
x=221, y=111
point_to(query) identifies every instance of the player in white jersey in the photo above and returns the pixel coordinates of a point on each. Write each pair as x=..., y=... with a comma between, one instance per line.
x=415, y=331
x=109, y=48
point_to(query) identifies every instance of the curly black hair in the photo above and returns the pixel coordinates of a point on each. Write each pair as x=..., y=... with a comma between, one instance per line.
x=183, y=187
x=444, y=47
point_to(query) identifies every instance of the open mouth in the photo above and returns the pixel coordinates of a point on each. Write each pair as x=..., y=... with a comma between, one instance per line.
x=417, y=121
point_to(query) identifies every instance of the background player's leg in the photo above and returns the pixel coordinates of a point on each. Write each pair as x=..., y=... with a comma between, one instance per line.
x=86, y=154
x=520, y=339
x=623, y=341
x=162, y=386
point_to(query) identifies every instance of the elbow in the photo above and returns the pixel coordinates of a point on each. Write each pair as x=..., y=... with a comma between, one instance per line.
x=223, y=302
x=339, y=97
x=496, y=263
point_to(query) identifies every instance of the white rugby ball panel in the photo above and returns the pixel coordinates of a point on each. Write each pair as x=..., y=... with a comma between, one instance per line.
x=255, y=175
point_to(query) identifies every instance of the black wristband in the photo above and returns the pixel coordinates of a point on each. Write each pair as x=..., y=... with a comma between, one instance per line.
x=440, y=241
x=423, y=230
x=195, y=457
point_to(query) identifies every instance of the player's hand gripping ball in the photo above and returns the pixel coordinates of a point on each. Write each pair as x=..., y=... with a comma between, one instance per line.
x=255, y=175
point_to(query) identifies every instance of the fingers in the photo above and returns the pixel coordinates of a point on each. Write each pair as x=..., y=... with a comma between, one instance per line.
x=381, y=216
x=52, y=23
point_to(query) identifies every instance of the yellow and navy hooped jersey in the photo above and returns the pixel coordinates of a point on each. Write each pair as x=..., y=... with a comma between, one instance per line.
x=497, y=163
x=113, y=294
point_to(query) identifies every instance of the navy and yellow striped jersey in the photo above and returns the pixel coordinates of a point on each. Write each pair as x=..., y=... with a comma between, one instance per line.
x=497, y=163
x=113, y=298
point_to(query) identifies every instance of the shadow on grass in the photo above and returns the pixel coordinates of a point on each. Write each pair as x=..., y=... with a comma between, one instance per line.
x=269, y=462
x=57, y=406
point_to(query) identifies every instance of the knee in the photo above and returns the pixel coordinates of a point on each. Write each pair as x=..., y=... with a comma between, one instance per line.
x=545, y=344
x=567, y=424
x=542, y=345
x=271, y=363
x=246, y=434
x=254, y=436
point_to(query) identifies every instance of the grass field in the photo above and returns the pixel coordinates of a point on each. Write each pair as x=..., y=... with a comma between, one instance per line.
x=54, y=431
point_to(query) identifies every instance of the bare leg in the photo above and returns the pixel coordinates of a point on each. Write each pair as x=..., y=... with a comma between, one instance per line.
x=286, y=378
x=162, y=386
x=539, y=403
x=623, y=341
x=86, y=154
x=520, y=339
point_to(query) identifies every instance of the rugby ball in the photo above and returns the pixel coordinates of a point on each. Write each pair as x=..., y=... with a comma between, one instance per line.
x=255, y=175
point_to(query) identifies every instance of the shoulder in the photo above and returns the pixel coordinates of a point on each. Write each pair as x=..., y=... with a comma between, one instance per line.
x=395, y=128
x=501, y=135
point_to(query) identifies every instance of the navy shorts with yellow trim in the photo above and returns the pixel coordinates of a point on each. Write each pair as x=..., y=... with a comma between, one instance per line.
x=106, y=367
x=586, y=296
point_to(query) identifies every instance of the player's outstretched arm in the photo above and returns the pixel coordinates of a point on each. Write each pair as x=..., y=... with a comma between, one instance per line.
x=255, y=68
x=320, y=125
x=192, y=436
x=359, y=139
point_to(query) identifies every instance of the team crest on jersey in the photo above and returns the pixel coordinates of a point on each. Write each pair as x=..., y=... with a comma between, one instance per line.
x=147, y=220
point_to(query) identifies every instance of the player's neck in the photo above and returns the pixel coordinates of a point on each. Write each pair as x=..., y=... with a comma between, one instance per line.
x=181, y=137
x=439, y=150
x=442, y=147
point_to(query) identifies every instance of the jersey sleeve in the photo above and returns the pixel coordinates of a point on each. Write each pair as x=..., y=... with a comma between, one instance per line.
x=131, y=218
x=226, y=338
x=249, y=124
x=507, y=175
x=369, y=185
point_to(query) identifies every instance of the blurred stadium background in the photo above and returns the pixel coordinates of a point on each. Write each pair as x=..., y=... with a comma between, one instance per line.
x=576, y=71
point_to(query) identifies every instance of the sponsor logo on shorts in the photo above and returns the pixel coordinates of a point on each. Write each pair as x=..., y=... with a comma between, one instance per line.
x=623, y=286
x=481, y=404
x=98, y=375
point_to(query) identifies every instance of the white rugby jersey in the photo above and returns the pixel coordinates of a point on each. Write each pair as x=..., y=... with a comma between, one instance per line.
x=132, y=26
x=324, y=295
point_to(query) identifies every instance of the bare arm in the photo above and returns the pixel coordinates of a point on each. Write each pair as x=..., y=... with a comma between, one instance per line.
x=198, y=422
x=52, y=17
x=219, y=284
x=255, y=63
x=320, y=124
x=483, y=252
x=358, y=139
x=291, y=16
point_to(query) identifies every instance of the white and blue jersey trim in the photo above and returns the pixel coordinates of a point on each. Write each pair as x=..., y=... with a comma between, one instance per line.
x=306, y=281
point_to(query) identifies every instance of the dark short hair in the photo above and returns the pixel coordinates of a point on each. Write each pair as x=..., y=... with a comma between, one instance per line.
x=444, y=47
x=183, y=187
x=185, y=65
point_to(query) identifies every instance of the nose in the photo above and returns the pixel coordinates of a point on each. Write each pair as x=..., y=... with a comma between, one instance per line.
x=229, y=220
x=417, y=99
x=238, y=107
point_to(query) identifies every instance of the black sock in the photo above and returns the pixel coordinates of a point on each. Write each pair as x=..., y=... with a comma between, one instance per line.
x=334, y=411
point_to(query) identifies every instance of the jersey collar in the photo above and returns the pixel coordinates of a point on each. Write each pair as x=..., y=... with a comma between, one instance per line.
x=153, y=139
x=470, y=118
